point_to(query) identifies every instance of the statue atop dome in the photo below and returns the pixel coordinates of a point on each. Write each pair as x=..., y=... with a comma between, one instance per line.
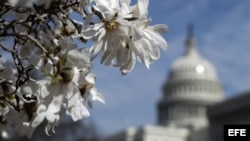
x=190, y=42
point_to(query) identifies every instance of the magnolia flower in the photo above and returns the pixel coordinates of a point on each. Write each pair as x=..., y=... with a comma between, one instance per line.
x=70, y=88
x=34, y=109
x=123, y=35
x=21, y=120
x=58, y=50
x=146, y=48
x=49, y=111
x=63, y=91
x=52, y=94
x=112, y=28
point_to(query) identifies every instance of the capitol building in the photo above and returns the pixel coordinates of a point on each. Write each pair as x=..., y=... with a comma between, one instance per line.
x=192, y=106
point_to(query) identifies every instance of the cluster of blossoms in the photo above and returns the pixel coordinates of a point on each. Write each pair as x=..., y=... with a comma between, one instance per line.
x=48, y=73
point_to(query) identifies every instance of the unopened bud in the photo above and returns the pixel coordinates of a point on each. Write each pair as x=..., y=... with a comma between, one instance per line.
x=67, y=74
x=30, y=109
x=84, y=89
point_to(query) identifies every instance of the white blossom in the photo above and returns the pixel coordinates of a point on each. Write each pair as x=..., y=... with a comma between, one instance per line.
x=123, y=34
x=67, y=89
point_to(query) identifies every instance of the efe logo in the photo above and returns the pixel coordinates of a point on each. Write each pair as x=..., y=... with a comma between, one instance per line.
x=236, y=132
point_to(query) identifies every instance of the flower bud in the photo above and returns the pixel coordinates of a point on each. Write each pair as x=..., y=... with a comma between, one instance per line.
x=67, y=74
x=30, y=109
x=84, y=89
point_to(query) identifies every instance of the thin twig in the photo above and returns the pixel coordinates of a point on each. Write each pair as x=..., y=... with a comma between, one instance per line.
x=5, y=48
x=43, y=49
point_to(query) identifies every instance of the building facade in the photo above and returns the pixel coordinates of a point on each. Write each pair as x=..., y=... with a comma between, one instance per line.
x=232, y=111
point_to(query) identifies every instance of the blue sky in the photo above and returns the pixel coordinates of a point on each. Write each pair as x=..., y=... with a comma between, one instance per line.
x=222, y=31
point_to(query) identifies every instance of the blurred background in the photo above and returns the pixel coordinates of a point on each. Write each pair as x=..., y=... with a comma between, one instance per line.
x=222, y=32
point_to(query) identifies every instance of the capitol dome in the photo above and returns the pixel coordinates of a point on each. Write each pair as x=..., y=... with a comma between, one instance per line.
x=192, y=66
x=192, y=86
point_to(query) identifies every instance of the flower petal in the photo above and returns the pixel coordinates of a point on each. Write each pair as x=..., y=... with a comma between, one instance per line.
x=96, y=96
